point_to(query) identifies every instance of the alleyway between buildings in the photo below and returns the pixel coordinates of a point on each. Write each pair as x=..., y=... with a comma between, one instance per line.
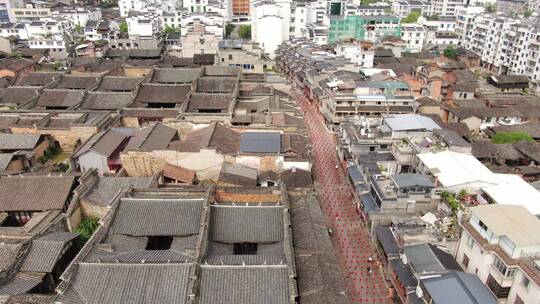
x=350, y=235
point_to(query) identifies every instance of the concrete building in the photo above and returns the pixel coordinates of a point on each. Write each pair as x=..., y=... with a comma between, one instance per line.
x=371, y=28
x=446, y=7
x=404, y=7
x=127, y=6
x=359, y=52
x=414, y=36
x=49, y=35
x=500, y=245
x=242, y=54
x=270, y=24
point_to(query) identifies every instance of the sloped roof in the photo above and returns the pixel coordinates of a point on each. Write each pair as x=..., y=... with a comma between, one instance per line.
x=5, y=160
x=216, y=84
x=161, y=93
x=178, y=173
x=119, y=83
x=410, y=122
x=46, y=251
x=104, y=143
x=260, y=142
x=108, y=186
x=18, y=95
x=155, y=137
x=106, y=101
x=246, y=224
x=208, y=101
x=458, y=287
x=120, y=283
x=34, y=193
x=217, y=136
x=238, y=175
x=38, y=79
x=170, y=217
x=22, y=283
x=296, y=178
x=10, y=141
x=244, y=284
x=78, y=82
x=60, y=98
x=175, y=76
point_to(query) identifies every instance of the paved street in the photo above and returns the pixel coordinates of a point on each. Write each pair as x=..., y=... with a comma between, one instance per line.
x=364, y=277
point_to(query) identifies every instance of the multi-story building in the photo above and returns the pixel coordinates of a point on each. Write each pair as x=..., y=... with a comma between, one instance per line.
x=240, y=7
x=146, y=29
x=506, y=45
x=414, y=36
x=6, y=13
x=14, y=29
x=404, y=7
x=127, y=6
x=195, y=6
x=50, y=35
x=372, y=28
x=445, y=7
x=270, y=23
x=500, y=244
x=30, y=13
x=79, y=16
x=172, y=19
x=360, y=53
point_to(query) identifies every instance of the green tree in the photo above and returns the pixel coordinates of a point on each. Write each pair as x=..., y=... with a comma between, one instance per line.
x=450, y=52
x=86, y=228
x=527, y=13
x=412, y=17
x=229, y=28
x=123, y=27
x=491, y=8
x=510, y=137
x=79, y=29
x=244, y=31
x=171, y=30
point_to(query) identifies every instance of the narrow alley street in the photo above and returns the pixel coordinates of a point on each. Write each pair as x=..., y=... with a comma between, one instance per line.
x=363, y=275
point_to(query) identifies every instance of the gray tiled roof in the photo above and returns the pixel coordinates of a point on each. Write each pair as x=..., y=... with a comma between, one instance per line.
x=147, y=217
x=246, y=285
x=18, y=141
x=45, y=252
x=236, y=224
x=120, y=283
x=8, y=255
x=108, y=187
x=246, y=260
x=157, y=136
x=34, y=193
x=148, y=256
x=21, y=283
x=5, y=159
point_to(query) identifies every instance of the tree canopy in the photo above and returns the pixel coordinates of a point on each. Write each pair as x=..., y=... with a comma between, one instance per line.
x=450, y=52
x=171, y=30
x=123, y=27
x=510, y=137
x=412, y=17
x=229, y=28
x=244, y=31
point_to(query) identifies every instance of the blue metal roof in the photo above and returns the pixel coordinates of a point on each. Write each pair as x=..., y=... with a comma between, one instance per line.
x=260, y=142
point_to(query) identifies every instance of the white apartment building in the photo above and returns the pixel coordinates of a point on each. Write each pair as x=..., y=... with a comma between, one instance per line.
x=506, y=45
x=14, y=29
x=130, y=5
x=213, y=24
x=440, y=31
x=147, y=25
x=195, y=6
x=404, y=7
x=299, y=20
x=171, y=19
x=414, y=36
x=446, y=7
x=270, y=23
x=465, y=16
x=29, y=13
x=51, y=35
x=360, y=53
x=501, y=245
x=79, y=16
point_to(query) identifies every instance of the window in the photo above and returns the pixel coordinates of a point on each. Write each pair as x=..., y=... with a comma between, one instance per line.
x=230, y=56
x=482, y=225
x=525, y=282
x=499, y=291
x=470, y=241
x=503, y=269
x=466, y=261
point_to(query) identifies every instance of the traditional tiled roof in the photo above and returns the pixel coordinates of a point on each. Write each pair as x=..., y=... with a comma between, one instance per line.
x=10, y=141
x=46, y=251
x=78, y=82
x=175, y=76
x=217, y=136
x=59, y=98
x=106, y=101
x=170, y=217
x=8, y=255
x=241, y=224
x=21, y=283
x=104, y=143
x=108, y=186
x=148, y=256
x=244, y=284
x=208, y=101
x=18, y=95
x=119, y=84
x=155, y=137
x=119, y=283
x=216, y=84
x=34, y=193
x=161, y=93
x=243, y=259
x=178, y=173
